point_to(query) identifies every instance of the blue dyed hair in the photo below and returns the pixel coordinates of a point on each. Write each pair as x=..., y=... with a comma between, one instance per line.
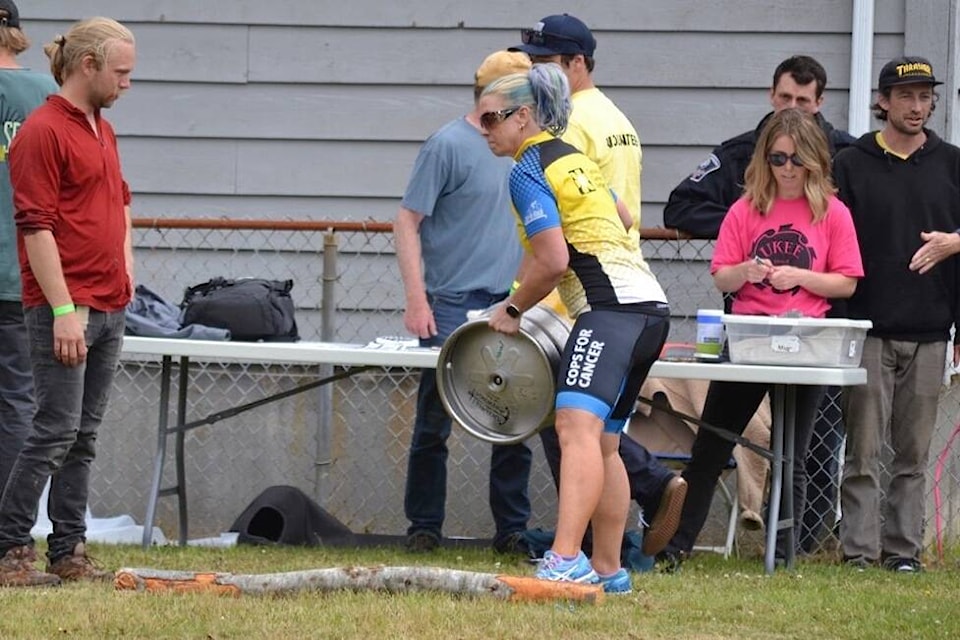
x=544, y=89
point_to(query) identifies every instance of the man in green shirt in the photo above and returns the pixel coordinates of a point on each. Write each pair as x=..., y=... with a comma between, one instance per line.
x=21, y=91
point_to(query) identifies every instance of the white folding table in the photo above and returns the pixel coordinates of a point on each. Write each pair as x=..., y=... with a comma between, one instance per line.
x=783, y=403
x=357, y=357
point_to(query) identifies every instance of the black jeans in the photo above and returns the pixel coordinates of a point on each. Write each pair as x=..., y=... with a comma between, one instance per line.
x=729, y=406
x=16, y=386
x=61, y=445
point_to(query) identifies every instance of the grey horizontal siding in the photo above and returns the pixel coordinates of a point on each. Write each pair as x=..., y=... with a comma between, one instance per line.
x=305, y=168
x=168, y=52
x=317, y=112
x=679, y=15
x=295, y=168
x=267, y=167
x=327, y=55
x=165, y=205
x=189, y=205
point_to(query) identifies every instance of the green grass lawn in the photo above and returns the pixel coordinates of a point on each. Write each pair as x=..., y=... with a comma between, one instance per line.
x=709, y=598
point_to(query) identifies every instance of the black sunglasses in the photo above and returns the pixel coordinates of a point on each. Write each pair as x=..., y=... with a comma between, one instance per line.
x=492, y=118
x=778, y=159
x=539, y=38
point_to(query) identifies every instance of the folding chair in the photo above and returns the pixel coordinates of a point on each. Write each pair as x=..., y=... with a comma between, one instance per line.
x=670, y=439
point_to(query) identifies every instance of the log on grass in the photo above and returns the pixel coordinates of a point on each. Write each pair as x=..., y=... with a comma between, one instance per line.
x=389, y=579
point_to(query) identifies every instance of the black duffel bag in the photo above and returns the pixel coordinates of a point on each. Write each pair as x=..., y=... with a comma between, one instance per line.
x=250, y=308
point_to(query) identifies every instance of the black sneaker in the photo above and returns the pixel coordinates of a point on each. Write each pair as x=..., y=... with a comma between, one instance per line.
x=422, y=542
x=902, y=565
x=858, y=563
x=512, y=543
x=668, y=561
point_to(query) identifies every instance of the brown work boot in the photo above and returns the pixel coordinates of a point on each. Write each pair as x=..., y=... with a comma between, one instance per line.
x=17, y=570
x=667, y=518
x=79, y=567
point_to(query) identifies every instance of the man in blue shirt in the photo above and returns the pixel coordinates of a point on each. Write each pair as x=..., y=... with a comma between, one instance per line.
x=458, y=250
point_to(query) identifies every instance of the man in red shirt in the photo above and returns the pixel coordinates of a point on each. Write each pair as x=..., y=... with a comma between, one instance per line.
x=72, y=211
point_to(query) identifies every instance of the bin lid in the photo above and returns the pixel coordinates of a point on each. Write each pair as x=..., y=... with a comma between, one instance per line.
x=797, y=321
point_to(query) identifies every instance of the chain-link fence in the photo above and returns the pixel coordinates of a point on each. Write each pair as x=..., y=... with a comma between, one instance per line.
x=349, y=453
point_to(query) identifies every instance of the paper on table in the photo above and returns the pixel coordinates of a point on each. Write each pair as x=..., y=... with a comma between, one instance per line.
x=394, y=343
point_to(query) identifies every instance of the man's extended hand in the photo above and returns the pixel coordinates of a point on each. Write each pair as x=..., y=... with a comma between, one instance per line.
x=937, y=246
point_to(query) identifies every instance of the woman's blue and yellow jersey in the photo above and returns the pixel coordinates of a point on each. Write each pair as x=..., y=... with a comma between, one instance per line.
x=554, y=185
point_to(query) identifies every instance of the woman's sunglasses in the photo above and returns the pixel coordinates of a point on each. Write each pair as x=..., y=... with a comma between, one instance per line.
x=491, y=119
x=778, y=159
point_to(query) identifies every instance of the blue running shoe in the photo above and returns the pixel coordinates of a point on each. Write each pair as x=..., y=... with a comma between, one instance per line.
x=554, y=567
x=618, y=583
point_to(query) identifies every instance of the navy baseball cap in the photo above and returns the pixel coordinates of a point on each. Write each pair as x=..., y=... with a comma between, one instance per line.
x=907, y=70
x=557, y=35
x=10, y=14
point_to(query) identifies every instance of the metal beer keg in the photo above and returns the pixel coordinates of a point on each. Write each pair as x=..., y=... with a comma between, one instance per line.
x=501, y=388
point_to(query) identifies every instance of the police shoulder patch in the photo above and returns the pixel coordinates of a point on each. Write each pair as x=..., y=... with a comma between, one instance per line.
x=708, y=166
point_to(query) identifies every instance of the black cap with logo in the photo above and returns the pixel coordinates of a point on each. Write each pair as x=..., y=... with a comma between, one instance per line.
x=907, y=70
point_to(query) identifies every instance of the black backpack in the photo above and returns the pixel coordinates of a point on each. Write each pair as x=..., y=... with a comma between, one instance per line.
x=286, y=515
x=250, y=308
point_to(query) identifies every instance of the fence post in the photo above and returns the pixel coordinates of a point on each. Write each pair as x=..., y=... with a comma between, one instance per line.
x=328, y=331
x=328, y=309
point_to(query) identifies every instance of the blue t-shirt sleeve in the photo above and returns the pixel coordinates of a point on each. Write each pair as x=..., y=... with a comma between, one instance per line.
x=534, y=202
x=428, y=178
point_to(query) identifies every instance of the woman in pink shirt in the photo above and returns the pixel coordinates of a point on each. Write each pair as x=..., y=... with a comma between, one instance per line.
x=787, y=245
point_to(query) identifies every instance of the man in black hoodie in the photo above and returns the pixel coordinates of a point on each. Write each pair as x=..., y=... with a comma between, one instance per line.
x=698, y=204
x=901, y=184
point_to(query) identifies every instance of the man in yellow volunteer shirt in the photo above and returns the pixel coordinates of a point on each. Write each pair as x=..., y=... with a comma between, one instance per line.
x=604, y=134
x=597, y=127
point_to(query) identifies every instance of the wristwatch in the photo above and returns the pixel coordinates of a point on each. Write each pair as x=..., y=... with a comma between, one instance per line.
x=513, y=311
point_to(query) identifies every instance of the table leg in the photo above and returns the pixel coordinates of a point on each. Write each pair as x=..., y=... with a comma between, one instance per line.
x=162, y=421
x=789, y=451
x=181, y=435
x=776, y=477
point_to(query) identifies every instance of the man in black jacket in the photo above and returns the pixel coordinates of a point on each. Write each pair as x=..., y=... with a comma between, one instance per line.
x=697, y=206
x=901, y=184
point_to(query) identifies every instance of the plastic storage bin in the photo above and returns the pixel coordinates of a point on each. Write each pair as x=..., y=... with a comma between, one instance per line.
x=798, y=342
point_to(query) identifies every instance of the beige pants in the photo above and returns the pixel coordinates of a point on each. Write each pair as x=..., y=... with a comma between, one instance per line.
x=903, y=384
